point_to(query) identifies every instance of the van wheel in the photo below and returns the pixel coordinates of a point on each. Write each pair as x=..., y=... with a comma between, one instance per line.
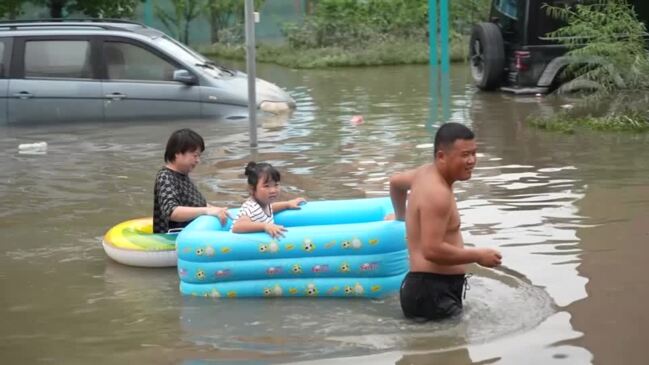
x=487, y=56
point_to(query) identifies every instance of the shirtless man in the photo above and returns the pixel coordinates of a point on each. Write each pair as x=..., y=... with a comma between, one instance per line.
x=432, y=290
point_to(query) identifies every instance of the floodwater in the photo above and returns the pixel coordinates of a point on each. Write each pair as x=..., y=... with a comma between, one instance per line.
x=568, y=212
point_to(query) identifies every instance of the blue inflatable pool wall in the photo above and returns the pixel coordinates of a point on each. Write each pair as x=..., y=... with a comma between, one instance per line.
x=339, y=248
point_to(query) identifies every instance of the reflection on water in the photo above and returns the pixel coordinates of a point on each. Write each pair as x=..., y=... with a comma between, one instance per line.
x=322, y=328
x=527, y=213
x=63, y=301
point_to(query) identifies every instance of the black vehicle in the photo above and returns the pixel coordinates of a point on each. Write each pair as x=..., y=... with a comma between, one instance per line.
x=512, y=52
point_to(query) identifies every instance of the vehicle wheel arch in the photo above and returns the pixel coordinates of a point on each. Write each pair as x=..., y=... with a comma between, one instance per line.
x=551, y=76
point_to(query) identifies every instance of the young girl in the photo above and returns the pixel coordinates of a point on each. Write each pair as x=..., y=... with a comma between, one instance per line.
x=256, y=213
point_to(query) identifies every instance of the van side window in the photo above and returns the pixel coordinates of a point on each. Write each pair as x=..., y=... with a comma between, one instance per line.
x=125, y=61
x=57, y=59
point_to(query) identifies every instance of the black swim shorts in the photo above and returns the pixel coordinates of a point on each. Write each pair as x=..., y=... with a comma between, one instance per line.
x=427, y=296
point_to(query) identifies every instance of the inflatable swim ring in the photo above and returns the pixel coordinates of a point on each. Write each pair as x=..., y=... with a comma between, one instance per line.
x=341, y=248
x=133, y=243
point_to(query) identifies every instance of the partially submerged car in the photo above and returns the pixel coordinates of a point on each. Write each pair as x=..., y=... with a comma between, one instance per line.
x=512, y=51
x=103, y=70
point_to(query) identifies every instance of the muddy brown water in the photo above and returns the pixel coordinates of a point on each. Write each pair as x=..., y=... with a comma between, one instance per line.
x=568, y=212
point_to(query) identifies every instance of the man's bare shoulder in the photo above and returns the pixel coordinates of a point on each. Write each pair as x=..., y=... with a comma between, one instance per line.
x=432, y=192
x=438, y=198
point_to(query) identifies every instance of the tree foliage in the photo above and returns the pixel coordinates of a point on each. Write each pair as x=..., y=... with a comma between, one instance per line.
x=350, y=23
x=227, y=18
x=92, y=8
x=607, y=50
x=105, y=9
x=179, y=18
x=354, y=24
x=11, y=8
x=606, y=44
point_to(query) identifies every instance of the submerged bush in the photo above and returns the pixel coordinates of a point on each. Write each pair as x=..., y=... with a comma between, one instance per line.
x=606, y=49
x=625, y=121
x=606, y=43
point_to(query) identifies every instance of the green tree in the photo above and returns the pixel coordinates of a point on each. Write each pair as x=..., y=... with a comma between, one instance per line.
x=310, y=6
x=606, y=44
x=224, y=14
x=92, y=8
x=11, y=8
x=353, y=23
x=180, y=17
x=106, y=9
x=606, y=50
x=466, y=13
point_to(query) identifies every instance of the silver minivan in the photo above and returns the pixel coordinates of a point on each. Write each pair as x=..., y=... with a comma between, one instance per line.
x=106, y=70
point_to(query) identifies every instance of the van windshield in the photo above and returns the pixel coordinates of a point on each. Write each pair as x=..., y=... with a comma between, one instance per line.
x=190, y=57
x=179, y=51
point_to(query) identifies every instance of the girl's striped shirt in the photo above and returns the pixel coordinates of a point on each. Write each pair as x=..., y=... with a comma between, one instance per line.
x=252, y=210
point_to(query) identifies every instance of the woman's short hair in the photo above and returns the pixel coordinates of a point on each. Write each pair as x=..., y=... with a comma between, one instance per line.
x=181, y=141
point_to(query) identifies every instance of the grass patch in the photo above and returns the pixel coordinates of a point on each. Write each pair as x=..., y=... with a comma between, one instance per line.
x=627, y=121
x=557, y=123
x=391, y=52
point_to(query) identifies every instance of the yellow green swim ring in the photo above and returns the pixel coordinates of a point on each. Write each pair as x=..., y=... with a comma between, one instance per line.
x=133, y=243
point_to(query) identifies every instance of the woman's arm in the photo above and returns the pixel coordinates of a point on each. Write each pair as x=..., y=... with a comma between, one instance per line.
x=184, y=214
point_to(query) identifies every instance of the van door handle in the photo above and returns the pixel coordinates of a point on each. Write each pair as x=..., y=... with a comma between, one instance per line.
x=24, y=95
x=115, y=96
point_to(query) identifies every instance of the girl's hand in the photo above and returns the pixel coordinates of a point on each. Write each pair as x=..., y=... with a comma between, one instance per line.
x=274, y=230
x=295, y=203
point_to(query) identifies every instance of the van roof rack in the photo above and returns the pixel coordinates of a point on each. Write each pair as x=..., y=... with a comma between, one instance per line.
x=108, y=24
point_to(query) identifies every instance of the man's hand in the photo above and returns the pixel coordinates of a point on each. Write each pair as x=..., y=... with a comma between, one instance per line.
x=274, y=230
x=295, y=203
x=389, y=217
x=488, y=257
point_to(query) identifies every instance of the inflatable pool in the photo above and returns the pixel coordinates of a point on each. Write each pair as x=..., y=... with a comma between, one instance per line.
x=340, y=248
x=133, y=243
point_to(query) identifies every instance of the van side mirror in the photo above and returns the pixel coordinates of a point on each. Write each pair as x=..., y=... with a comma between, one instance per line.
x=185, y=77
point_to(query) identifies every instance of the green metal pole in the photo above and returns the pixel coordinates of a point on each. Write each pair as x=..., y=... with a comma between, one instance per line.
x=432, y=31
x=251, y=69
x=443, y=35
x=445, y=58
x=433, y=71
x=148, y=13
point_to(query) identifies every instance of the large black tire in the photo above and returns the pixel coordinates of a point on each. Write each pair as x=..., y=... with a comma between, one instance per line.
x=487, y=56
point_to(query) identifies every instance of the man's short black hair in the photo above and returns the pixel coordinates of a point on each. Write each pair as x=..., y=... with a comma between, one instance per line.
x=181, y=141
x=448, y=133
